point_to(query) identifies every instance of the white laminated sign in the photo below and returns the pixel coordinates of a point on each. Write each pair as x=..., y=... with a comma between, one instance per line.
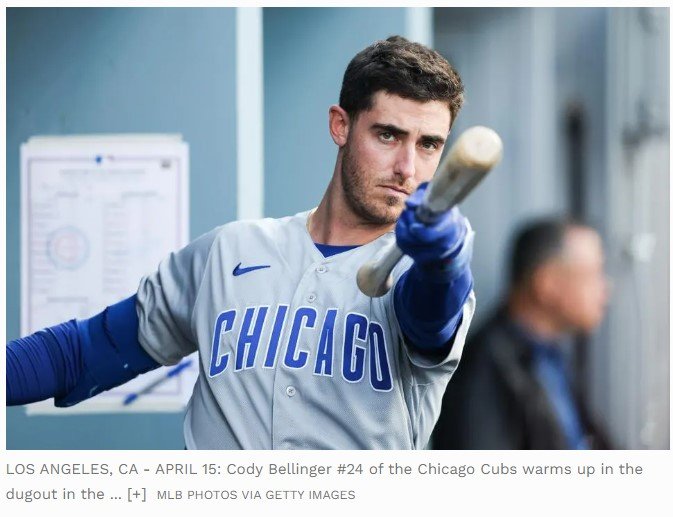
x=98, y=213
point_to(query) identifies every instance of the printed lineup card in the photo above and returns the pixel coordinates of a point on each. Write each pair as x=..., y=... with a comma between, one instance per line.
x=97, y=214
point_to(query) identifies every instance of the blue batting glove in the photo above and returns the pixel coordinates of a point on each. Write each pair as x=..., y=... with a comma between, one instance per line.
x=446, y=243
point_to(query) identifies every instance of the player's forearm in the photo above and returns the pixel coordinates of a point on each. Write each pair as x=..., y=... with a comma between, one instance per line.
x=429, y=305
x=429, y=297
x=76, y=360
x=43, y=365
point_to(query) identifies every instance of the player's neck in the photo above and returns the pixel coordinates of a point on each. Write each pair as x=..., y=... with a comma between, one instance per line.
x=335, y=223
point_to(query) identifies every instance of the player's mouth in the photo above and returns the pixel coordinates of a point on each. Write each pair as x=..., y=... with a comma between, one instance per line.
x=395, y=190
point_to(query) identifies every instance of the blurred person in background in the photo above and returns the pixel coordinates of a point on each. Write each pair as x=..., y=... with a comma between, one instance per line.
x=514, y=389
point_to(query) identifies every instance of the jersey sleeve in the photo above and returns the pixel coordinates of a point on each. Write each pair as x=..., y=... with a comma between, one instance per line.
x=166, y=301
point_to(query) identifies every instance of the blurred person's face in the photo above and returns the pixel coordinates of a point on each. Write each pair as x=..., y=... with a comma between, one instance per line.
x=388, y=151
x=578, y=289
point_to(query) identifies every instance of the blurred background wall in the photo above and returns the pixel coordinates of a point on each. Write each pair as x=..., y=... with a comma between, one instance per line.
x=580, y=97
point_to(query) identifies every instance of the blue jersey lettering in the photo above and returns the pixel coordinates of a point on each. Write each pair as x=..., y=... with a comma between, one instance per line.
x=353, y=368
x=379, y=367
x=303, y=316
x=224, y=323
x=247, y=340
x=359, y=336
x=272, y=350
x=324, y=357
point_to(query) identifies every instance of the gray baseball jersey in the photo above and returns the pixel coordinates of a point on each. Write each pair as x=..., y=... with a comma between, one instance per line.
x=292, y=355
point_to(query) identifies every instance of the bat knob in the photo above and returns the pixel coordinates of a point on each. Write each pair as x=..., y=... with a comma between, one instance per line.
x=374, y=278
x=372, y=282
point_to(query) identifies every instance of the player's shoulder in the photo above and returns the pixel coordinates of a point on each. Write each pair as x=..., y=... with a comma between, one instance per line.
x=268, y=225
x=267, y=228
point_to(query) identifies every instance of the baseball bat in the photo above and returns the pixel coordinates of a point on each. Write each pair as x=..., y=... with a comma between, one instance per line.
x=476, y=151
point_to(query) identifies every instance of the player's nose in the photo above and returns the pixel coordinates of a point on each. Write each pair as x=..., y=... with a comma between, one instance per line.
x=405, y=162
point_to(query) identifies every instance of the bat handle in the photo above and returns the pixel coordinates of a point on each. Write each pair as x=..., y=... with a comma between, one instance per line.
x=427, y=216
x=374, y=278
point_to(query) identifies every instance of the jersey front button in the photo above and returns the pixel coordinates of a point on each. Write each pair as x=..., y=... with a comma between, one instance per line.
x=321, y=269
x=290, y=390
x=311, y=298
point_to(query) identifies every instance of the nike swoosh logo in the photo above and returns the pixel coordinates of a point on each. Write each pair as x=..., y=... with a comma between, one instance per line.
x=238, y=270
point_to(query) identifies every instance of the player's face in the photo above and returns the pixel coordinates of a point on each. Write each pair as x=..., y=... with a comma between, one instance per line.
x=582, y=291
x=390, y=150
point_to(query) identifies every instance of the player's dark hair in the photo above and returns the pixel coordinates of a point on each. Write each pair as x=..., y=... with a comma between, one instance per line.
x=401, y=67
x=535, y=244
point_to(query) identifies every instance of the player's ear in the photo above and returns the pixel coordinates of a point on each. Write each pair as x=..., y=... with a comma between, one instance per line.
x=338, y=125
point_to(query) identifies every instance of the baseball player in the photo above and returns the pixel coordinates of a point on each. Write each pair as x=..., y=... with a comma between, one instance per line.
x=292, y=354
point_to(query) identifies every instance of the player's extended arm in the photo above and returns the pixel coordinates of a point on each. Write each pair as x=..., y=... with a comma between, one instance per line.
x=430, y=295
x=76, y=360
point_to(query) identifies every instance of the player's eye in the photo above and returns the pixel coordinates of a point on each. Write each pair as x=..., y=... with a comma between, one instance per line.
x=386, y=136
x=430, y=145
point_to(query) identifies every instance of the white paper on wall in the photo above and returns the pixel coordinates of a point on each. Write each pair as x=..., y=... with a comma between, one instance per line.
x=97, y=214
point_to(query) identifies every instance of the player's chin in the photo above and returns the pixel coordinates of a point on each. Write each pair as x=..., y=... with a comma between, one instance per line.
x=388, y=210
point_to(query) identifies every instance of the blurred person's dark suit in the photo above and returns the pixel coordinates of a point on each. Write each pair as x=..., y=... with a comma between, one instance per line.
x=513, y=388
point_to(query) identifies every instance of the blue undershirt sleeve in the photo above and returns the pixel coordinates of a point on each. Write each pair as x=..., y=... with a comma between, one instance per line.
x=43, y=365
x=78, y=359
x=429, y=307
